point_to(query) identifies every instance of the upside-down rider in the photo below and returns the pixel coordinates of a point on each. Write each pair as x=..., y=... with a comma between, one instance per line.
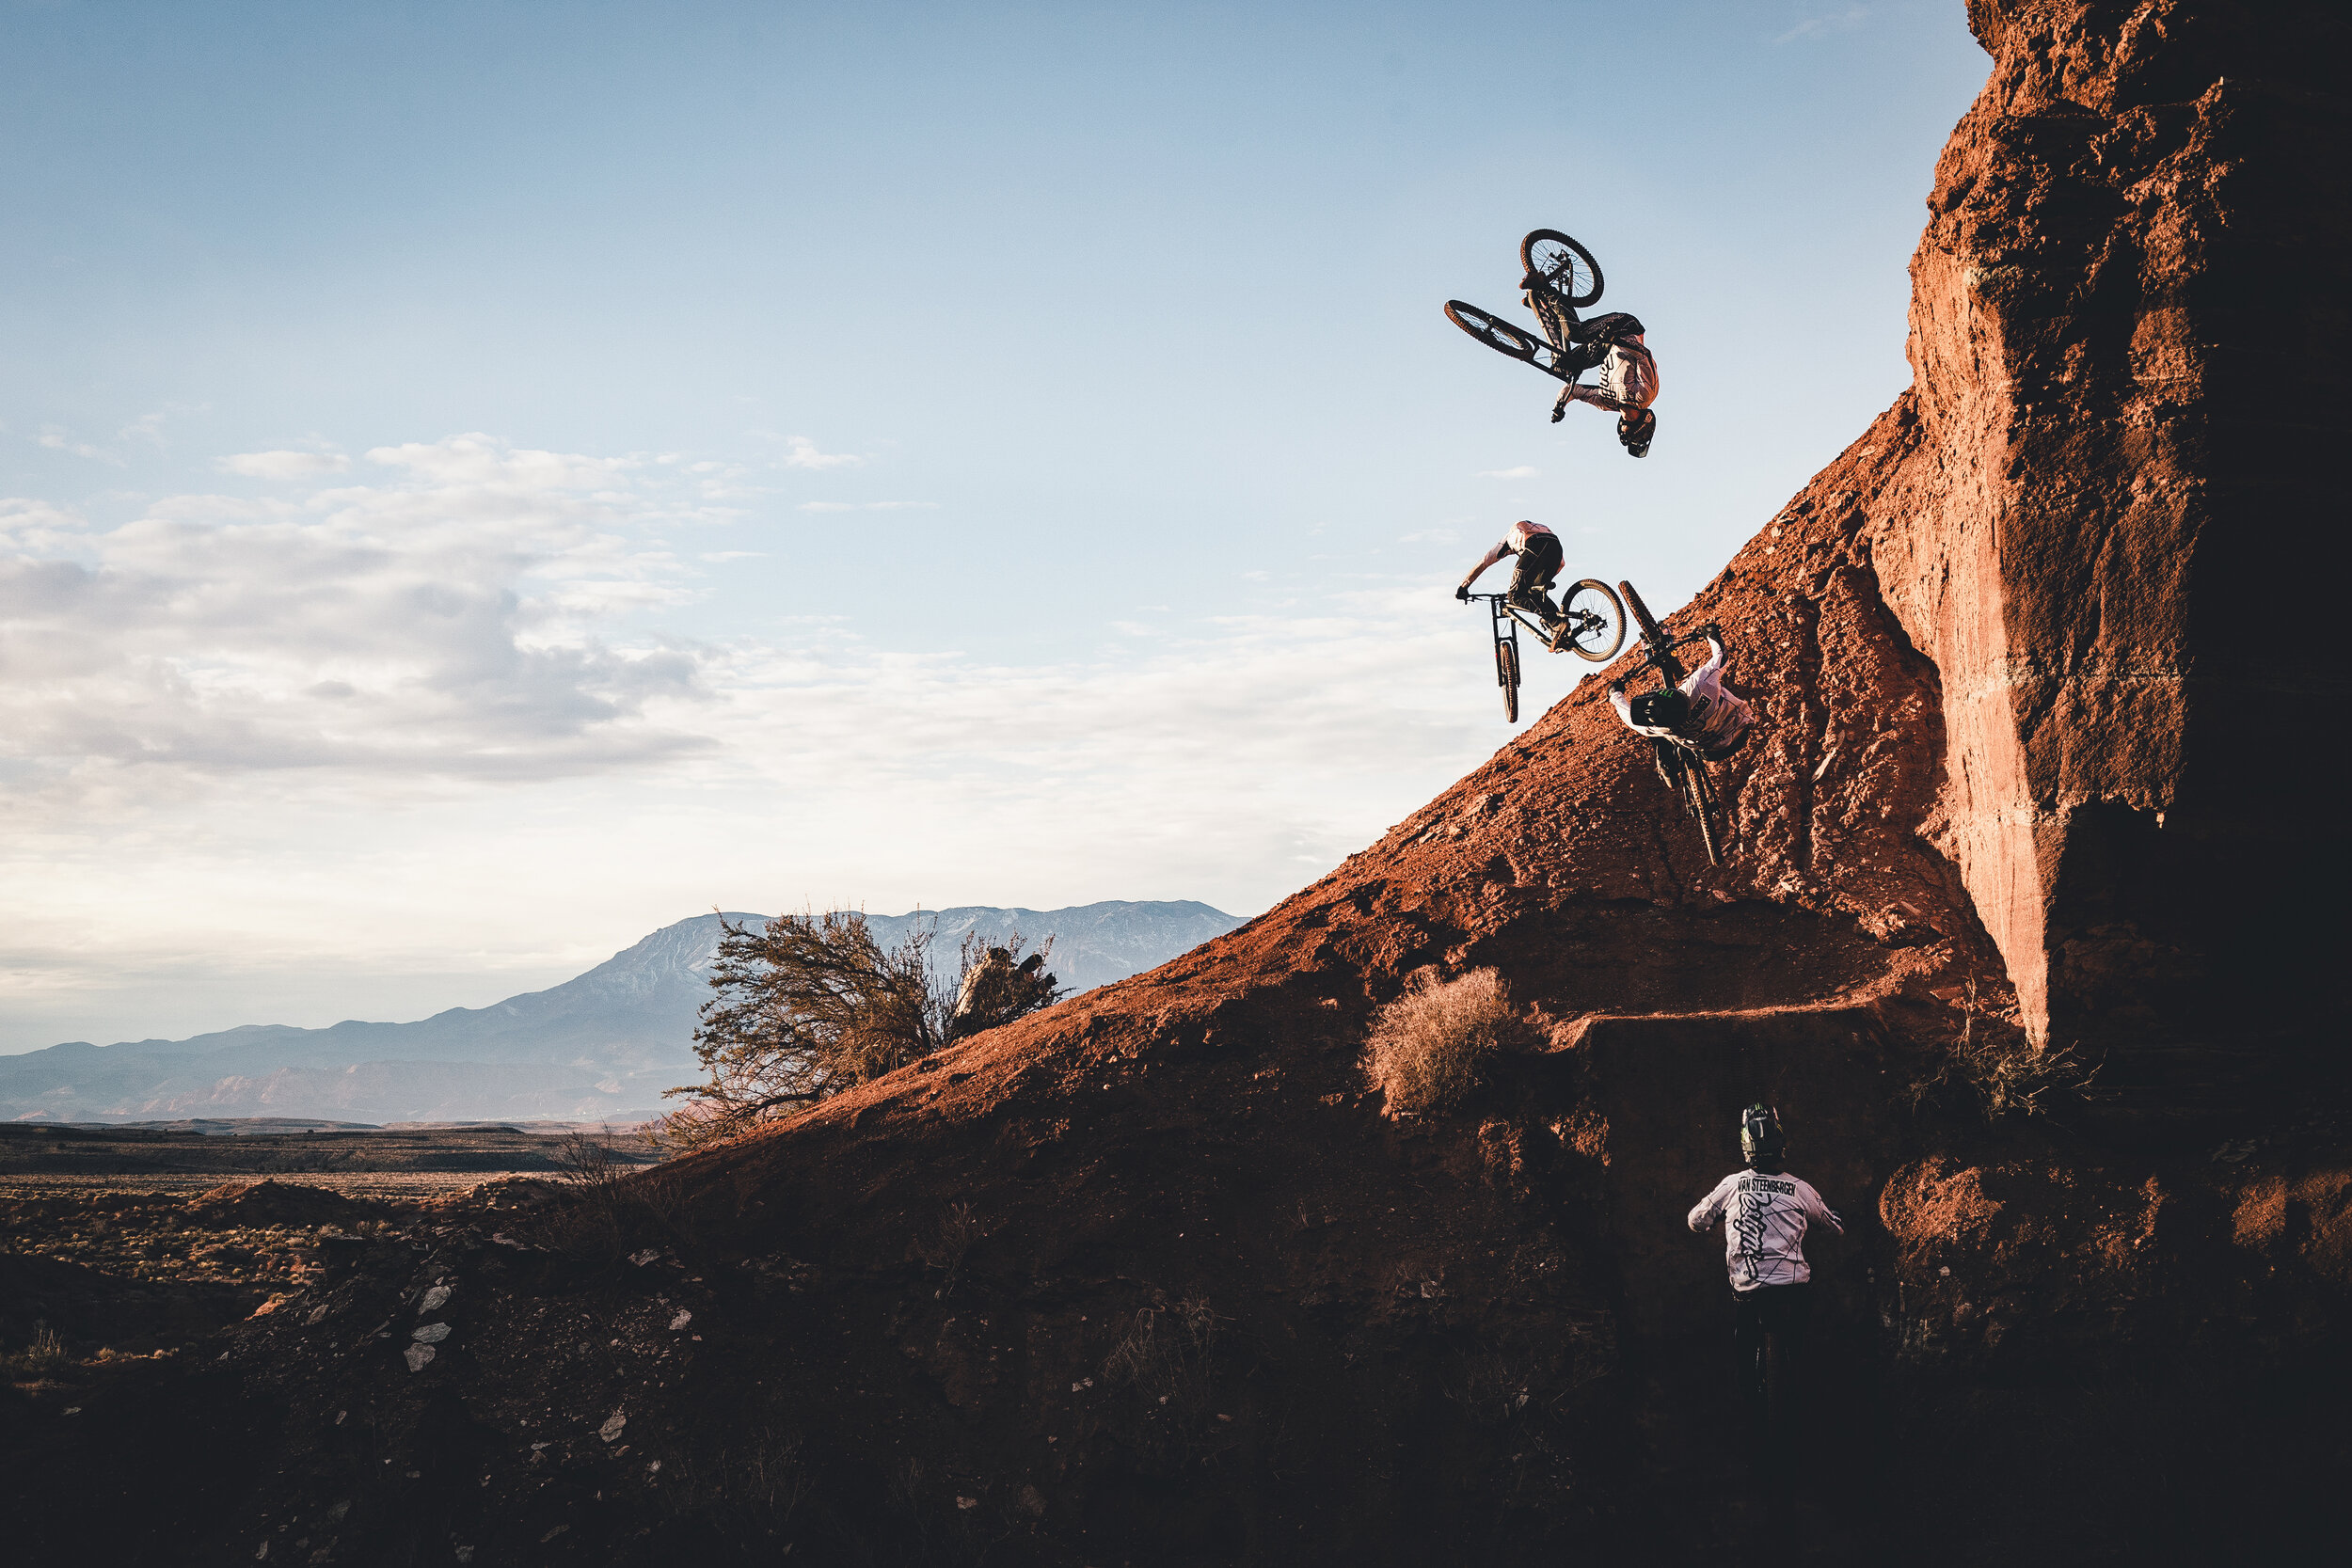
x=1539, y=560
x=1764, y=1211
x=1697, y=716
x=1629, y=371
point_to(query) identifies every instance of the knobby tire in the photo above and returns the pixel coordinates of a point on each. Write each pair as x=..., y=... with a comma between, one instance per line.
x=1549, y=245
x=1613, y=614
x=1507, y=676
x=1701, y=793
x=1503, y=337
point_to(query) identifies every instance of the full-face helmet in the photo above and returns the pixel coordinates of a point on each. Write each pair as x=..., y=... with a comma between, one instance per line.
x=1760, y=1134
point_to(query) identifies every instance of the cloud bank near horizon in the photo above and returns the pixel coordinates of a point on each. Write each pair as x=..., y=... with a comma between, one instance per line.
x=385, y=717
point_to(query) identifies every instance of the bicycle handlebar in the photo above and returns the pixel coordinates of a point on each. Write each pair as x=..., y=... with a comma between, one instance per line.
x=1658, y=654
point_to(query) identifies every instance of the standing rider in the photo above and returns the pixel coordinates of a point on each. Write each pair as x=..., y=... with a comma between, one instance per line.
x=1764, y=1211
x=1540, y=558
x=1698, y=714
x=1629, y=371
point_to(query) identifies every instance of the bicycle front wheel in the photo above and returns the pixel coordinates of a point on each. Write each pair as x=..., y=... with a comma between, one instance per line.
x=1563, y=264
x=1700, y=793
x=1503, y=337
x=1595, y=620
x=1507, y=677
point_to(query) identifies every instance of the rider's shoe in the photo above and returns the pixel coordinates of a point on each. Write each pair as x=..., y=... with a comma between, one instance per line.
x=1560, y=637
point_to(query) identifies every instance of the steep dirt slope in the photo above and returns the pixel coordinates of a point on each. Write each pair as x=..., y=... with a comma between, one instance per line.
x=1151, y=1278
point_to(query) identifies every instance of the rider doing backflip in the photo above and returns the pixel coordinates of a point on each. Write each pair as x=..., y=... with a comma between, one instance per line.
x=1540, y=558
x=1698, y=714
x=1629, y=371
x=1764, y=1211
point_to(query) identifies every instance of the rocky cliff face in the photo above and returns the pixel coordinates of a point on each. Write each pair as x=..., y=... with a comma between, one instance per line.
x=2127, y=360
x=1152, y=1278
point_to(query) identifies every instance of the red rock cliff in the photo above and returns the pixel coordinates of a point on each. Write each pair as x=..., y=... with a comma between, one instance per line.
x=2127, y=339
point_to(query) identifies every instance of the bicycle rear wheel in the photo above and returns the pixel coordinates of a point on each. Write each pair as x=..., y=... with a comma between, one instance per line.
x=1566, y=268
x=1641, y=616
x=1596, y=626
x=1507, y=677
x=1503, y=337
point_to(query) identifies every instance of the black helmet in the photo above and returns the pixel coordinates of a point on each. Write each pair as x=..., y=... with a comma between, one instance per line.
x=1760, y=1134
x=1669, y=709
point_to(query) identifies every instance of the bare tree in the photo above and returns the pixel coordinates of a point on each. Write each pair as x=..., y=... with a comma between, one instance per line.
x=815, y=1004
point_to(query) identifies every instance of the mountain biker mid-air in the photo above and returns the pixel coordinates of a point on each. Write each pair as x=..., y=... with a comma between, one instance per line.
x=1764, y=1211
x=1698, y=714
x=1561, y=278
x=1629, y=371
x=1540, y=558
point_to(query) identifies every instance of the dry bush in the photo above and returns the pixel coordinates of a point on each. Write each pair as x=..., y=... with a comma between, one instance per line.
x=949, y=1244
x=608, y=1208
x=46, y=1355
x=1427, y=1046
x=1165, y=1349
x=1992, y=1062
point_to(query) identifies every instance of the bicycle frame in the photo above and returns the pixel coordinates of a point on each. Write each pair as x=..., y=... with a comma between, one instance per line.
x=1500, y=607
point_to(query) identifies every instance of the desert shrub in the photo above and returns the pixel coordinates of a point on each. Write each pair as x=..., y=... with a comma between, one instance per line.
x=606, y=1208
x=44, y=1355
x=949, y=1243
x=1169, y=1357
x=1426, y=1048
x=1167, y=1348
x=814, y=1003
x=1992, y=1062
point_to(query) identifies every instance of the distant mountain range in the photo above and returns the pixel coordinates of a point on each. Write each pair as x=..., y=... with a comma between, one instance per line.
x=600, y=1047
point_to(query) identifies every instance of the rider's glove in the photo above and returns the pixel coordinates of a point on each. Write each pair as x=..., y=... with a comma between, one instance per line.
x=1462, y=592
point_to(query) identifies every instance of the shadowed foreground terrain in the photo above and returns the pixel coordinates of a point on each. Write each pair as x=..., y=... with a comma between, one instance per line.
x=2012, y=932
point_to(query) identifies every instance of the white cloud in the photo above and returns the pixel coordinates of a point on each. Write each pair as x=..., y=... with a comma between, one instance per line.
x=284, y=464
x=489, y=462
x=448, y=623
x=363, y=726
x=58, y=439
x=868, y=506
x=1522, y=472
x=1431, y=536
x=1828, y=21
x=802, y=453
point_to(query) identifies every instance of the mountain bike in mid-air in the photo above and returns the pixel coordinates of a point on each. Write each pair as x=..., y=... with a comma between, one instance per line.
x=1685, y=769
x=1560, y=272
x=1593, y=630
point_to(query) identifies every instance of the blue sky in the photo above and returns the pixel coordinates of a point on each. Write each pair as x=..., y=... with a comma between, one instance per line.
x=486, y=481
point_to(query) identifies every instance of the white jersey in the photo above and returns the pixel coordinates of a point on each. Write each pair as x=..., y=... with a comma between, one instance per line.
x=1522, y=535
x=1764, y=1217
x=1630, y=375
x=1718, y=719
